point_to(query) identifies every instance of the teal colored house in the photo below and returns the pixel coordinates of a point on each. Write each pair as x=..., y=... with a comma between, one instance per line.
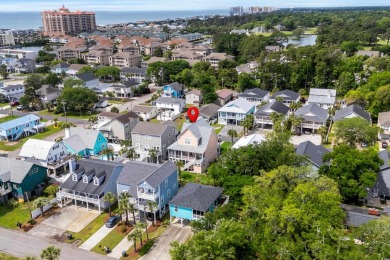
x=84, y=142
x=193, y=201
x=19, y=179
x=174, y=90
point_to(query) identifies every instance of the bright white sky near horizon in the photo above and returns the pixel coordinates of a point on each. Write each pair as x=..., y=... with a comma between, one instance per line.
x=167, y=5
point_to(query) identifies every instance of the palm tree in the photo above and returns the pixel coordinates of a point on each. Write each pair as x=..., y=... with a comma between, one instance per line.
x=55, y=122
x=133, y=236
x=295, y=121
x=232, y=133
x=110, y=198
x=247, y=123
x=92, y=119
x=40, y=202
x=277, y=119
x=144, y=226
x=138, y=231
x=124, y=202
x=132, y=210
x=51, y=253
x=323, y=132
x=152, y=205
x=179, y=165
x=79, y=107
x=131, y=154
x=109, y=153
x=153, y=154
x=294, y=106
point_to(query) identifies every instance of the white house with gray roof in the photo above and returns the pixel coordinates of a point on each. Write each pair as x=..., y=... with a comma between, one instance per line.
x=263, y=113
x=235, y=111
x=149, y=182
x=196, y=146
x=255, y=95
x=133, y=73
x=384, y=123
x=146, y=136
x=145, y=112
x=324, y=98
x=16, y=90
x=169, y=108
x=313, y=116
x=89, y=181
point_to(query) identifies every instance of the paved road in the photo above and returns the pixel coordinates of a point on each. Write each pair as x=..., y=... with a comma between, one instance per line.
x=135, y=101
x=22, y=245
x=160, y=250
x=46, y=117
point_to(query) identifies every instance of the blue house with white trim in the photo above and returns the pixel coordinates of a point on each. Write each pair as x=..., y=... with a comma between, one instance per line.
x=174, y=90
x=194, y=200
x=149, y=182
x=84, y=142
x=20, y=127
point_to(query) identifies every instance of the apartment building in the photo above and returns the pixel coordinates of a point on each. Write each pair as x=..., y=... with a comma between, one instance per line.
x=65, y=22
x=6, y=38
x=125, y=59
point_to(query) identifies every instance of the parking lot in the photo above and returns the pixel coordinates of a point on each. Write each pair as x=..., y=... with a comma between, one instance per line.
x=314, y=138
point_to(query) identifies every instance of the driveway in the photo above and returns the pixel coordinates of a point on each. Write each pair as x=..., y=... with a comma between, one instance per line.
x=160, y=250
x=296, y=140
x=224, y=133
x=96, y=238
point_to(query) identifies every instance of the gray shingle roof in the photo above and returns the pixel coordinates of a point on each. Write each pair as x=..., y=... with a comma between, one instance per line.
x=203, y=128
x=61, y=65
x=143, y=109
x=125, y=118
x=76, y=143
x=176, y=86
x=352, y=109
x=254, y=92
x=275, y=106
x=384, y=155
x=133, y=70
x=209, y=110
x=86, y=77
x=152, y=129
x=196, y=196
x=313, y=152
x=88, y=136
x=286, y=95
x=15, y=170
x=92, y=166
x=168, y=100
x=322, y=96
x=312, y=112
x=384, y=118
x=134, y=173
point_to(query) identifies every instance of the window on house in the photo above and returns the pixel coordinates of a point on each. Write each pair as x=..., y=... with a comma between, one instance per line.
x=96, y=181
x=74, y=177
x=85, y=179
x=187, y=141
x=35, y=170
x=174, y=186
x=176, y=209
x=137, y=137
x=169, y=193
x=17, y=128
x=169, y=133
x=166, y=183
x=162, y=199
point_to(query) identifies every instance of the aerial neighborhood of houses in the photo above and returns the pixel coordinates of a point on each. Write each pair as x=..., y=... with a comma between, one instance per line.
x=103, y=128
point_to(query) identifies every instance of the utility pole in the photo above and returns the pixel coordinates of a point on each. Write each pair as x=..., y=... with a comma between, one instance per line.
x=28, y=203
x=63, y=104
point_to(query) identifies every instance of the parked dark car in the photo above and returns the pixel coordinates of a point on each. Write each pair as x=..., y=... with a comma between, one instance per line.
x=385, y=144
x=111, y=222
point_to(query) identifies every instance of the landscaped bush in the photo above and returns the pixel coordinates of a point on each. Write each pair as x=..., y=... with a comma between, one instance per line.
x=123, y=229
x=12, y=203
x=146, y=248
x=50, y=191
x=32, y=221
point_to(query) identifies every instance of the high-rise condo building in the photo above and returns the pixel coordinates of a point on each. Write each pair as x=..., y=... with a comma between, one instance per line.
x=6, y=38
x=64, y=22
x=237, y=10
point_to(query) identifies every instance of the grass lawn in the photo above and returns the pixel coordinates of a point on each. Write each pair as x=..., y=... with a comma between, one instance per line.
x=9, y=217
x=111, y=241
x=7, y=118
x=225, y=146
x=217, y=128
x=196, y=177
x=50, y=130
x=3, y=105
x=89, y=230
x=4, y=256
x=71, y=114
x=179, y=122
x=312, y=30
x=120, y=102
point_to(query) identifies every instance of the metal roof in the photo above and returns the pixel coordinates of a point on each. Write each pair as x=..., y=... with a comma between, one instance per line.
x=18, y=121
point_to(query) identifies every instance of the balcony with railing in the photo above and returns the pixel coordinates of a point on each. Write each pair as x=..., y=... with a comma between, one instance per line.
x=263, y=120
x=78, y=196
x=5, y=189
x=143, y=193
x=312, y=125
x=186, y=156
x=61, y=162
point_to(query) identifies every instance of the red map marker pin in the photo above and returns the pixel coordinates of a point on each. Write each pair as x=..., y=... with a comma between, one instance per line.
x=193, y=114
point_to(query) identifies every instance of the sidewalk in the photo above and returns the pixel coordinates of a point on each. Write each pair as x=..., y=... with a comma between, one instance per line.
x=96, y=238
x=124, y=245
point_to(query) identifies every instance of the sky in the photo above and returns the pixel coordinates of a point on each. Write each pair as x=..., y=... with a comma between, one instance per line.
x=160, y=5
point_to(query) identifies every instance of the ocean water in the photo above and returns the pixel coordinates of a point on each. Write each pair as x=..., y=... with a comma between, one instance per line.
x=33, y=20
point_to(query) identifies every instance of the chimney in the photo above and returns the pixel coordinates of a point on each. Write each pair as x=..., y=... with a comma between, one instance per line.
x=67, y=133
x=72, y=165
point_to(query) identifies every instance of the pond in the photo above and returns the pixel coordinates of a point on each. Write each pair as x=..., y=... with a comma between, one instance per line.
x=306, y=40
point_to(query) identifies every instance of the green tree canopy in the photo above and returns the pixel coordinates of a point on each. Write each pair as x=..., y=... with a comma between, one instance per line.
x=355, y=131
x=77, y=98
x=353, y=170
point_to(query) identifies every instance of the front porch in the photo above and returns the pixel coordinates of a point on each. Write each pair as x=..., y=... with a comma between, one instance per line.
x=192, y=162
x=64, y=196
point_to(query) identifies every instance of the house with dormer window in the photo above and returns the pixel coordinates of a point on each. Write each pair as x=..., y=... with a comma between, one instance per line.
x=88, y=182
x=149, y=182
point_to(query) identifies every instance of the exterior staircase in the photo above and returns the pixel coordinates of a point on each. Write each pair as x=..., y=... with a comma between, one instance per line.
x=192, y=162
